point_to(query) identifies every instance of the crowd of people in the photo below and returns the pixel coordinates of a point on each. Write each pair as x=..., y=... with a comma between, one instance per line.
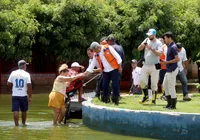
x=163, y=62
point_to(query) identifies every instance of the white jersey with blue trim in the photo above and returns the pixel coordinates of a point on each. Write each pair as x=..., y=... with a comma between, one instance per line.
x=19, y=78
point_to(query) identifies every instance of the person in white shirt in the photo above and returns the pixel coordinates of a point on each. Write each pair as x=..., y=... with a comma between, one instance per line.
x=182, y=65
x=136, y=73
x=20, y=81
x=110, y=63
x=152, y=51
x=91, y=55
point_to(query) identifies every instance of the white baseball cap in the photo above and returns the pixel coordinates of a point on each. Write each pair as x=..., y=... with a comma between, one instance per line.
x=75, y=64
x=134, y=61
x=22, y=62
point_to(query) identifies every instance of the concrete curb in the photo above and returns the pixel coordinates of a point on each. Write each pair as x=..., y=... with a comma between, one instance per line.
x=151, y=124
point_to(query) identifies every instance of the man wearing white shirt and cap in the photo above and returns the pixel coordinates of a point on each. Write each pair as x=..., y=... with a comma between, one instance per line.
x=152, y=50
x=183, y=70
x=110, y=63
x=20, y=81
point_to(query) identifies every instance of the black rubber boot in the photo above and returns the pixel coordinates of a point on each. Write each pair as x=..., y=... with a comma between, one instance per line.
x=113, y=99
x=105, y=99
x=168, y=97
x=173, y=103
x=116, y=100
x=144, y=99
x=102, y=98
x=154, y=95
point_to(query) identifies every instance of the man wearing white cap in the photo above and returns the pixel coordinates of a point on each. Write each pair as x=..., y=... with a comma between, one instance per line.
x=20, y=81
x=110, y=63
x=152, y=50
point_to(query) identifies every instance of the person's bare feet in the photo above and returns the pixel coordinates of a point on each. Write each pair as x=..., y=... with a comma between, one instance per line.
x=81, y=99
x=24, y=125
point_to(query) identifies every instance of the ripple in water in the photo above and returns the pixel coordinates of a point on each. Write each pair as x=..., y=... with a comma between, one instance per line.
x=38, y=125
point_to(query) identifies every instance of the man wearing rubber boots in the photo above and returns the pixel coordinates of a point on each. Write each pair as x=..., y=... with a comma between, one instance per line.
x=110, y=63
x=152, y=50
x=171, y=71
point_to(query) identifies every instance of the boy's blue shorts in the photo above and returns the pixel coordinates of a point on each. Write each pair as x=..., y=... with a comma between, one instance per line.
x=19, y=103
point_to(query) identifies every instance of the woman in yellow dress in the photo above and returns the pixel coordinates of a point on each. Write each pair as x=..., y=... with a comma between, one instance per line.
x=58, y=93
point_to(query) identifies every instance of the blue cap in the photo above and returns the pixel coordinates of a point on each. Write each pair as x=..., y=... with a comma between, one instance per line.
x=151, y=32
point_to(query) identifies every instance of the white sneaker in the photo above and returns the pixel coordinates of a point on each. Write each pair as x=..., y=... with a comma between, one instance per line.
x=190, y=95
x=187, y=97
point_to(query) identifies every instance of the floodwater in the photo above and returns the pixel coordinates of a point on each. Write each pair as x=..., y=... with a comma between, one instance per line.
x=39, y=124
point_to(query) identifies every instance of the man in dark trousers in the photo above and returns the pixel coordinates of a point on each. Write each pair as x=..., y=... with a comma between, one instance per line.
x=119, y=49
x=110, y=63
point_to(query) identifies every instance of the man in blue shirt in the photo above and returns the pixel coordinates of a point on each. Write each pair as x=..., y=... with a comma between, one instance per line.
x=171, y=70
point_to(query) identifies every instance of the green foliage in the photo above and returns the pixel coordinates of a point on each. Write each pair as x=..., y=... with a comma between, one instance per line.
x=65, y=28
x=17, y=33
x=77, y=25
x=198, y=86
x=187, y=26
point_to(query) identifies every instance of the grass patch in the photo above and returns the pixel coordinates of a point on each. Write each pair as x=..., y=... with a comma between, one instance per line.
x=131, y=102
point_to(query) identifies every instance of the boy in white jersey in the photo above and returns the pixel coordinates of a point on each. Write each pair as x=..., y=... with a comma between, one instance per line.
x=20, y=81
x=136, y=73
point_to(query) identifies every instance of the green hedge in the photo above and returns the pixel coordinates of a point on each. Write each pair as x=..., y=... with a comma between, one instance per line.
x=65, y=28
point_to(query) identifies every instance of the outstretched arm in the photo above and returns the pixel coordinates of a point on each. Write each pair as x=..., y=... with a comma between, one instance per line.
x=69, y=79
